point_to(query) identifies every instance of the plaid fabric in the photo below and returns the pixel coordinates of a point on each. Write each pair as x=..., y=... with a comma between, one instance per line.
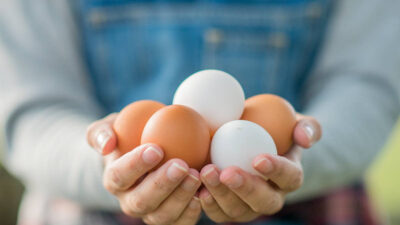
x=347, y=206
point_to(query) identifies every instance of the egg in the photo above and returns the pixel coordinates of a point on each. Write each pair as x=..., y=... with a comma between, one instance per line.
x=275, y=115
x=129, y=124
x=238, y=142
x=181, y=132
x=215, y=95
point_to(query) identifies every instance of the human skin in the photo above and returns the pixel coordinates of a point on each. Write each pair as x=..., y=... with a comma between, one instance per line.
x=168, y=195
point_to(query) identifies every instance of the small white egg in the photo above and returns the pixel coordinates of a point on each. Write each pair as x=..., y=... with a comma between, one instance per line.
x=215, y=95
x=238, y=142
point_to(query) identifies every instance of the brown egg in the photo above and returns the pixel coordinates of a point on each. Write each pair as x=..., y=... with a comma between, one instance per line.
x=276, y=115
x=181, y=132
x=130, y=122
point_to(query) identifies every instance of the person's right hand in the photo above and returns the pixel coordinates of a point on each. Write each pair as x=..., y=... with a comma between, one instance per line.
x=164, y=196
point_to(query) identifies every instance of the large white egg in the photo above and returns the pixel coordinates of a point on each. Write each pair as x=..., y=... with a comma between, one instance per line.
x=215, y=95
x=238, y=142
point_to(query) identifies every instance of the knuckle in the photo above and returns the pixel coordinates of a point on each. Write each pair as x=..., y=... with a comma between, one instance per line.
x=236, y=212
x=171, y=217
x=192, y=213
x=215, y=214
x=146, y=220
x=279, y=170
x=259, y=207
x=108, y=186
x=190, y=218
x=140, y=206
x=161, y=218
x=297, y=180
x=247, y=191
x=277, y=207
x=127, y=210
x=136, y=168
x=112, y=181
x=271, y=202
x=218, y=219
x=231, y=213
x=272, y=206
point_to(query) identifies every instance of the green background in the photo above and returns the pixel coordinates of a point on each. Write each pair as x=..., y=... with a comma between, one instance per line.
x=384, y=178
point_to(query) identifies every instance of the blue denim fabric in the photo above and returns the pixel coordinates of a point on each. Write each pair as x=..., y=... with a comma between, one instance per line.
x=145, y=49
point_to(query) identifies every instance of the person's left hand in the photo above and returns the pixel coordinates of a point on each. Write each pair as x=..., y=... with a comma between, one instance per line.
x=233, y=195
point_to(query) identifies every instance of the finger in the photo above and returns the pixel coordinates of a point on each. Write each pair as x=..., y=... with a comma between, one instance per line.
x=286, y=174
x=307, y=131
x=123, y=172
x=211, y=207
x=226, y=199
x=171, y=209
x=294, y=154
x=101, y=136
x=258, y=194
x=154, y=188
x=191, y=214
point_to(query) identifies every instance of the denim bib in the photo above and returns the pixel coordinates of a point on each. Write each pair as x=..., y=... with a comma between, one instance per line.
x=145, y=49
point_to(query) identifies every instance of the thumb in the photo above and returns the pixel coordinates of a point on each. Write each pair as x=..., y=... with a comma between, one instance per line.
x=307, y=131
x=100, y=135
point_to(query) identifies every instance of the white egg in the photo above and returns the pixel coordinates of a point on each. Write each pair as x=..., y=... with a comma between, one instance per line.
x=214, y=94
x=238, y=142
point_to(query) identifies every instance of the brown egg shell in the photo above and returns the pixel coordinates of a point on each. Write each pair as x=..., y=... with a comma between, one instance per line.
x=274, y=114
x=181, y=132
x=130, y=122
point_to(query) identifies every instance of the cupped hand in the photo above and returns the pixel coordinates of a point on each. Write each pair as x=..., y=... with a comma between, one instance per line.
x=233, y=195
x=163, y=196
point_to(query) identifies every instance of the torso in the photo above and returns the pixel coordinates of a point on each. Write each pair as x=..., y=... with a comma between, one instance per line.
x=144, y=49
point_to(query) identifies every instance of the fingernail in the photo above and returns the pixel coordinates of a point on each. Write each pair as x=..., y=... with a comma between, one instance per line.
x=309, y=130
x=190, y=183
x=151, y=155
x=175, y=172
x=195, y=203
x=263, y=165
x=234, y=181
x=211, y=177
x=102, y=139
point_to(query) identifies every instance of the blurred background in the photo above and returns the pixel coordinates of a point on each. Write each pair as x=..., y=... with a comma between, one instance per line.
x=382, y=179
x=10, y=193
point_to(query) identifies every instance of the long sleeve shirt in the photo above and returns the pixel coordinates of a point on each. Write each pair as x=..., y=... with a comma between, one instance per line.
x=48, y=100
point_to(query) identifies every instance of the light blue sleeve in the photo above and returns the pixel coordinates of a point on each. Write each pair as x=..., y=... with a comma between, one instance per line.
x=354, y=92
x=47, y=103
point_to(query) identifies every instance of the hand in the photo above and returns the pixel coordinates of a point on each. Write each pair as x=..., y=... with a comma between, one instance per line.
x=233, y=195
x=164, y=196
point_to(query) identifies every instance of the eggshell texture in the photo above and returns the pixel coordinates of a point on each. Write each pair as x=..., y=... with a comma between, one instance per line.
x=130, y=122
x=276, y=115
x=215, y=95
x=238, y=142
x=181, y=132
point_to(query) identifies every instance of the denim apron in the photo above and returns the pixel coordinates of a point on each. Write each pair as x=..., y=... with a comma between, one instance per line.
x=145, y=49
